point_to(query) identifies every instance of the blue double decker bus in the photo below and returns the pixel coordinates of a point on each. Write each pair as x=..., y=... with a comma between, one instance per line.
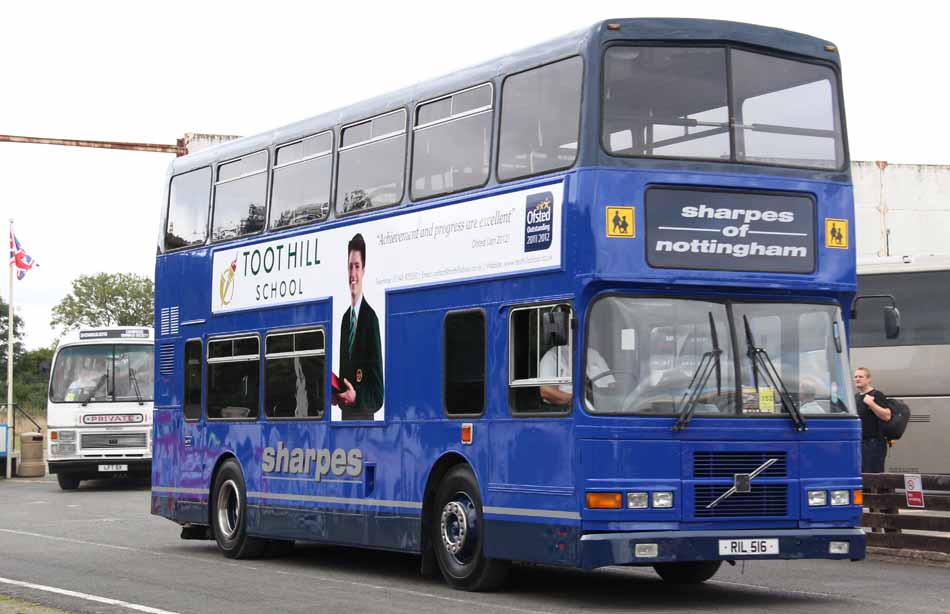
x=580, y=305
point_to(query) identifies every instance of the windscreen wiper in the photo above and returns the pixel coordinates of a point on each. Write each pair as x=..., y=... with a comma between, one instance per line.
x=135, y=385
x=709, y=362
x=92, y=393
x=761, y=361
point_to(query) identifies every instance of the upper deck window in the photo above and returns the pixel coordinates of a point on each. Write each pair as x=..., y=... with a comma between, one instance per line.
x=372, y=163
x=674, y=102
x=452, y=143
x=188, y=209
x=540, y=119
x=239, y=197
x=301, y=186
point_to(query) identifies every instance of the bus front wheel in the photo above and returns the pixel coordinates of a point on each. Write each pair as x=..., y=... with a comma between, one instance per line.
x=693, y=572
x=229, y=514
x=458, y=534
x=67, y=482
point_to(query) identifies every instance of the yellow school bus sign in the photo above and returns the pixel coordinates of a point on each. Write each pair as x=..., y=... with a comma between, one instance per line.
x=836, y=233
x=620, y=222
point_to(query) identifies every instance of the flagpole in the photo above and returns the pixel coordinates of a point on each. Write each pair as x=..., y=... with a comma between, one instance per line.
x=10, y=370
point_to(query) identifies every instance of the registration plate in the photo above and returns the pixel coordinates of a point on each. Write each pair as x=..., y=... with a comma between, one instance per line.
x=743, y=547
x=111, y=468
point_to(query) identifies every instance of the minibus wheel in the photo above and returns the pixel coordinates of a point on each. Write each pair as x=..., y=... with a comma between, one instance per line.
x=67, y=482
x=458, y=534
x=691, y=572
x=229, y=514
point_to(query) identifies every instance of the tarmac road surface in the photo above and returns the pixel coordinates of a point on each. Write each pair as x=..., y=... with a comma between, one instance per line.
x=99, y=550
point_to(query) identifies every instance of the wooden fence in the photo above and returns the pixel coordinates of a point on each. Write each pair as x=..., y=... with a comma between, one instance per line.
x=890, y=518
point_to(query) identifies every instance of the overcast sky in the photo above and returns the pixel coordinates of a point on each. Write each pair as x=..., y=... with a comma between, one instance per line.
x=150, y=72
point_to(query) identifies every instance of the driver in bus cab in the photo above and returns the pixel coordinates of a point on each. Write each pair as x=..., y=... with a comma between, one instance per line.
x=361, y=356
x=556, y=362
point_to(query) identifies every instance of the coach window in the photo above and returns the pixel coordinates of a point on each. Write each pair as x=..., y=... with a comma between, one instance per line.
x=540, y=349
x=452, y=143
x=300, y=193
x=233, y=378
x=239, y=197
x=540, y=119
x=188, y=201
x=192, y=398
x=922, y=297
x=372, y=163
x=464, y=372
x=294, y=374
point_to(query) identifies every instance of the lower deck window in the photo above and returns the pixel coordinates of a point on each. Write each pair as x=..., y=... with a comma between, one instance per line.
x=234, y=378
x=295, y=375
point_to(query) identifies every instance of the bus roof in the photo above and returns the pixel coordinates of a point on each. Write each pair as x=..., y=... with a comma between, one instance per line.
x=110, y=334
x=641, y=29
x=903, y=264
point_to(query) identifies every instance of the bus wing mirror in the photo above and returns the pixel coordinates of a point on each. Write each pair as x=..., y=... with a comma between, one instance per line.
x=892, y=321
x=44, y=368
x=554, y=327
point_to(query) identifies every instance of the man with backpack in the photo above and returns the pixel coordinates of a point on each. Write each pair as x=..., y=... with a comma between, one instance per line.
x=874, y=412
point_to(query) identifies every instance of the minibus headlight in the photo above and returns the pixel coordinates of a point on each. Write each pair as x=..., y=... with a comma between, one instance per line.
x=817, y=498
x=62, y=449
x=840, y=497
x=662, y=499
x=63, y=436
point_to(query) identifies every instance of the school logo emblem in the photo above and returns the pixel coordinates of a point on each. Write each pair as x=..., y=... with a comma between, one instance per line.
x=226, y=283
x=538, y=221
x=359, y=376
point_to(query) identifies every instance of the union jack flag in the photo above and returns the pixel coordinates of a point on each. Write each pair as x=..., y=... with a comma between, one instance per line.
x=19, y=259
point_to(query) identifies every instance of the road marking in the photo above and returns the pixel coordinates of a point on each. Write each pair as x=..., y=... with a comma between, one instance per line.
x=85, y=596
x=320, y=577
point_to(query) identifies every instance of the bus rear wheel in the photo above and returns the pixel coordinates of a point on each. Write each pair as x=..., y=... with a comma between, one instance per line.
x=692, y=572
x=458, y=534
x=67, y=482
x=229, y=514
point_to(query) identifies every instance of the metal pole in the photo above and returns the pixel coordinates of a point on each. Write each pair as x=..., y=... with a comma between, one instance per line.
x=10, y=369
x=177, y=149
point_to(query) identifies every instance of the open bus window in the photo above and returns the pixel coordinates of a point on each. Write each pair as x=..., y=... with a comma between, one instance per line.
x=233, y=378
x=372, y=163
x=188, y=200
x=239, y=197
x=537, y=134
x=295, y=374
x=540, y=373
x=301, y=186
x=452, y=143
x=464, y=363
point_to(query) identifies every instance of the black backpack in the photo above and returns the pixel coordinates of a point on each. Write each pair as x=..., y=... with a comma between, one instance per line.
x=900, y=416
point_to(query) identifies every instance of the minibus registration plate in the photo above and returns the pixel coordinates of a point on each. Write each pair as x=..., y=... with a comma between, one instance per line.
x=111, y=468
x=743, y=547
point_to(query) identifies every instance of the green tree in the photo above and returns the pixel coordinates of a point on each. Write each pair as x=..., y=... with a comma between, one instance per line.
x=17, y=339
x=107, y=299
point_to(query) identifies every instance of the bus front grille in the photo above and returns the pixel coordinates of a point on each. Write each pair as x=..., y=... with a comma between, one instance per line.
x=726, y=464
x=764, y=500
x=107, y=441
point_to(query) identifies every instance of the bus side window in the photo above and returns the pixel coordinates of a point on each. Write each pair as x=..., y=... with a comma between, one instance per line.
x=537, y=135
x=300, y=191
x=464, y=371
x=233, y=378
x=191, y=402
x=452, y=143
x=294, y=374
x=371, y=163
x=188, y=201
x=539, y=369
x=239, y=197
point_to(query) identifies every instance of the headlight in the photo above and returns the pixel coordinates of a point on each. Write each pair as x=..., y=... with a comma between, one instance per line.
x=840, y=497
x=637, y=500
x=63, y=436
x=817, y=497
x=662, y=499
x=62, y=449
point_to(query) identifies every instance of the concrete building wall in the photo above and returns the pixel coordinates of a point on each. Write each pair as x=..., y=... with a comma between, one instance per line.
x=901, y=209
